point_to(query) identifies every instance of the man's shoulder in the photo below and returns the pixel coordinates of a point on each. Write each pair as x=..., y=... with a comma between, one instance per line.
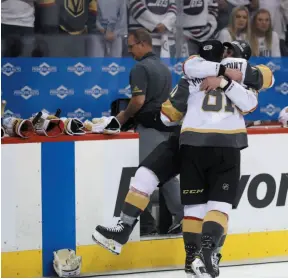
x=150, y=64
x=138, y=67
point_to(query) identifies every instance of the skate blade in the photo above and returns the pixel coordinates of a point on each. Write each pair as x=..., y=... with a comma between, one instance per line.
x=106, y=243
x=196, y=265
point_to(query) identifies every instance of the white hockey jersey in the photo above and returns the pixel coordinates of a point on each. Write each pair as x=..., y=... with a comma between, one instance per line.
x=149, y=13
x=215, y=118
x=199, y=19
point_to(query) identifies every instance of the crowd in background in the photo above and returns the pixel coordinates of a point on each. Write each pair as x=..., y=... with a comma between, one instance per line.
x=98, y=28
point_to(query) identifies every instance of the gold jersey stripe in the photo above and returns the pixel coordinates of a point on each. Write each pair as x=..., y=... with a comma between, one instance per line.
x=217, y=131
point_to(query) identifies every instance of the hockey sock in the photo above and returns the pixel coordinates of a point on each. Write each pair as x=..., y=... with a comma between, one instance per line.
x=135, y=203
x=192, y=228
x=142, y=186
x=213, y=227
x=222, y=240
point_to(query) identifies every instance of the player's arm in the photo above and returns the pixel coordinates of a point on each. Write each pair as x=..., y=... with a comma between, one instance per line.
x=259, y=77
x=260, y=73
x=139, y=12
x=175, y=107
x=197, y=67
x=170, y=18
x=246, y=100
x=253, y=77
x=138, y=84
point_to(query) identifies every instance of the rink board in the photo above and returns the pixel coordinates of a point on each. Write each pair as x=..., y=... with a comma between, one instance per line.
x=67, y=186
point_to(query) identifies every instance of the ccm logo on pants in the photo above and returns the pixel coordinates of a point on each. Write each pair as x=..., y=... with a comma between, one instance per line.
x=186, y=192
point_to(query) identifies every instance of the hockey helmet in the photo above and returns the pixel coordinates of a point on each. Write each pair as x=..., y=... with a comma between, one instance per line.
x=212, y=50
x=66, y=263
x=240, y=48
x=283, y=117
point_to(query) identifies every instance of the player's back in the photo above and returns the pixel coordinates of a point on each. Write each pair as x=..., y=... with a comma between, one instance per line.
x=212, y=119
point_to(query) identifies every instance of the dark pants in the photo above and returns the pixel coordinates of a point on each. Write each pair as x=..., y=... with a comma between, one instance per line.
x=17, y=40
x=209, y=174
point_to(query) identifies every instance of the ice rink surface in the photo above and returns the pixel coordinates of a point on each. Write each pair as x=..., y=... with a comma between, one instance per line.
x=268, y=270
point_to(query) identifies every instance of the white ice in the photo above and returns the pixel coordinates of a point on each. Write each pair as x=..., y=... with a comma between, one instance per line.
x=268, y=270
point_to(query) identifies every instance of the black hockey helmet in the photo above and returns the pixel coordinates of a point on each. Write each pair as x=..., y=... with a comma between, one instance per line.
x=212, y=50
x=240, y=48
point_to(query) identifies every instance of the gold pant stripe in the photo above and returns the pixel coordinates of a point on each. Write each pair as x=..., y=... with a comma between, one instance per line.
x=192, y=226
x=218, y=217
x=137, y=200
x=219, y=131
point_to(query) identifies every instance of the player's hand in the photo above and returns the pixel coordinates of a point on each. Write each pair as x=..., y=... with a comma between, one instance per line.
x=210, y=83
x=233, y=74
x=161, y=28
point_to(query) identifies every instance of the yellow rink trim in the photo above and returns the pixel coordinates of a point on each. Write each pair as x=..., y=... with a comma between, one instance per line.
x=149, y=254
x=168, y=252
x=23, y=264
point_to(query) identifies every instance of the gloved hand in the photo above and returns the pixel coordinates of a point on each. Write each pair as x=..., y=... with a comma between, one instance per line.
x=48, y=125
x=14, y=127
x=104, y=125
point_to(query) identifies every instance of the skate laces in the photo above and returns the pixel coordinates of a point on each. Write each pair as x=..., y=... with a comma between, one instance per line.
x=118, y=228
x=190, y=249
x=207, y=242
x=215, y=260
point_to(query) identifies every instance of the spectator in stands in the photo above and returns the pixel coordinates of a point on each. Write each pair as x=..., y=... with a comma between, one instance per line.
x=226, y=7
x=264, y=41
x=279, y=17
x=111, y=26
x=199, y=23
x=17, y=27
x=69, y=20
x=158, y=17
x=238, y=28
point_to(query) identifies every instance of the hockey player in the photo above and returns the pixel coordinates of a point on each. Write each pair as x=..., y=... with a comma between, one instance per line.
x=212, y=135
x=157, y=168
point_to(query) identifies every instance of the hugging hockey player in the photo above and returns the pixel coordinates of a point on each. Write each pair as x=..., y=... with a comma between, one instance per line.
x=163, y=162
